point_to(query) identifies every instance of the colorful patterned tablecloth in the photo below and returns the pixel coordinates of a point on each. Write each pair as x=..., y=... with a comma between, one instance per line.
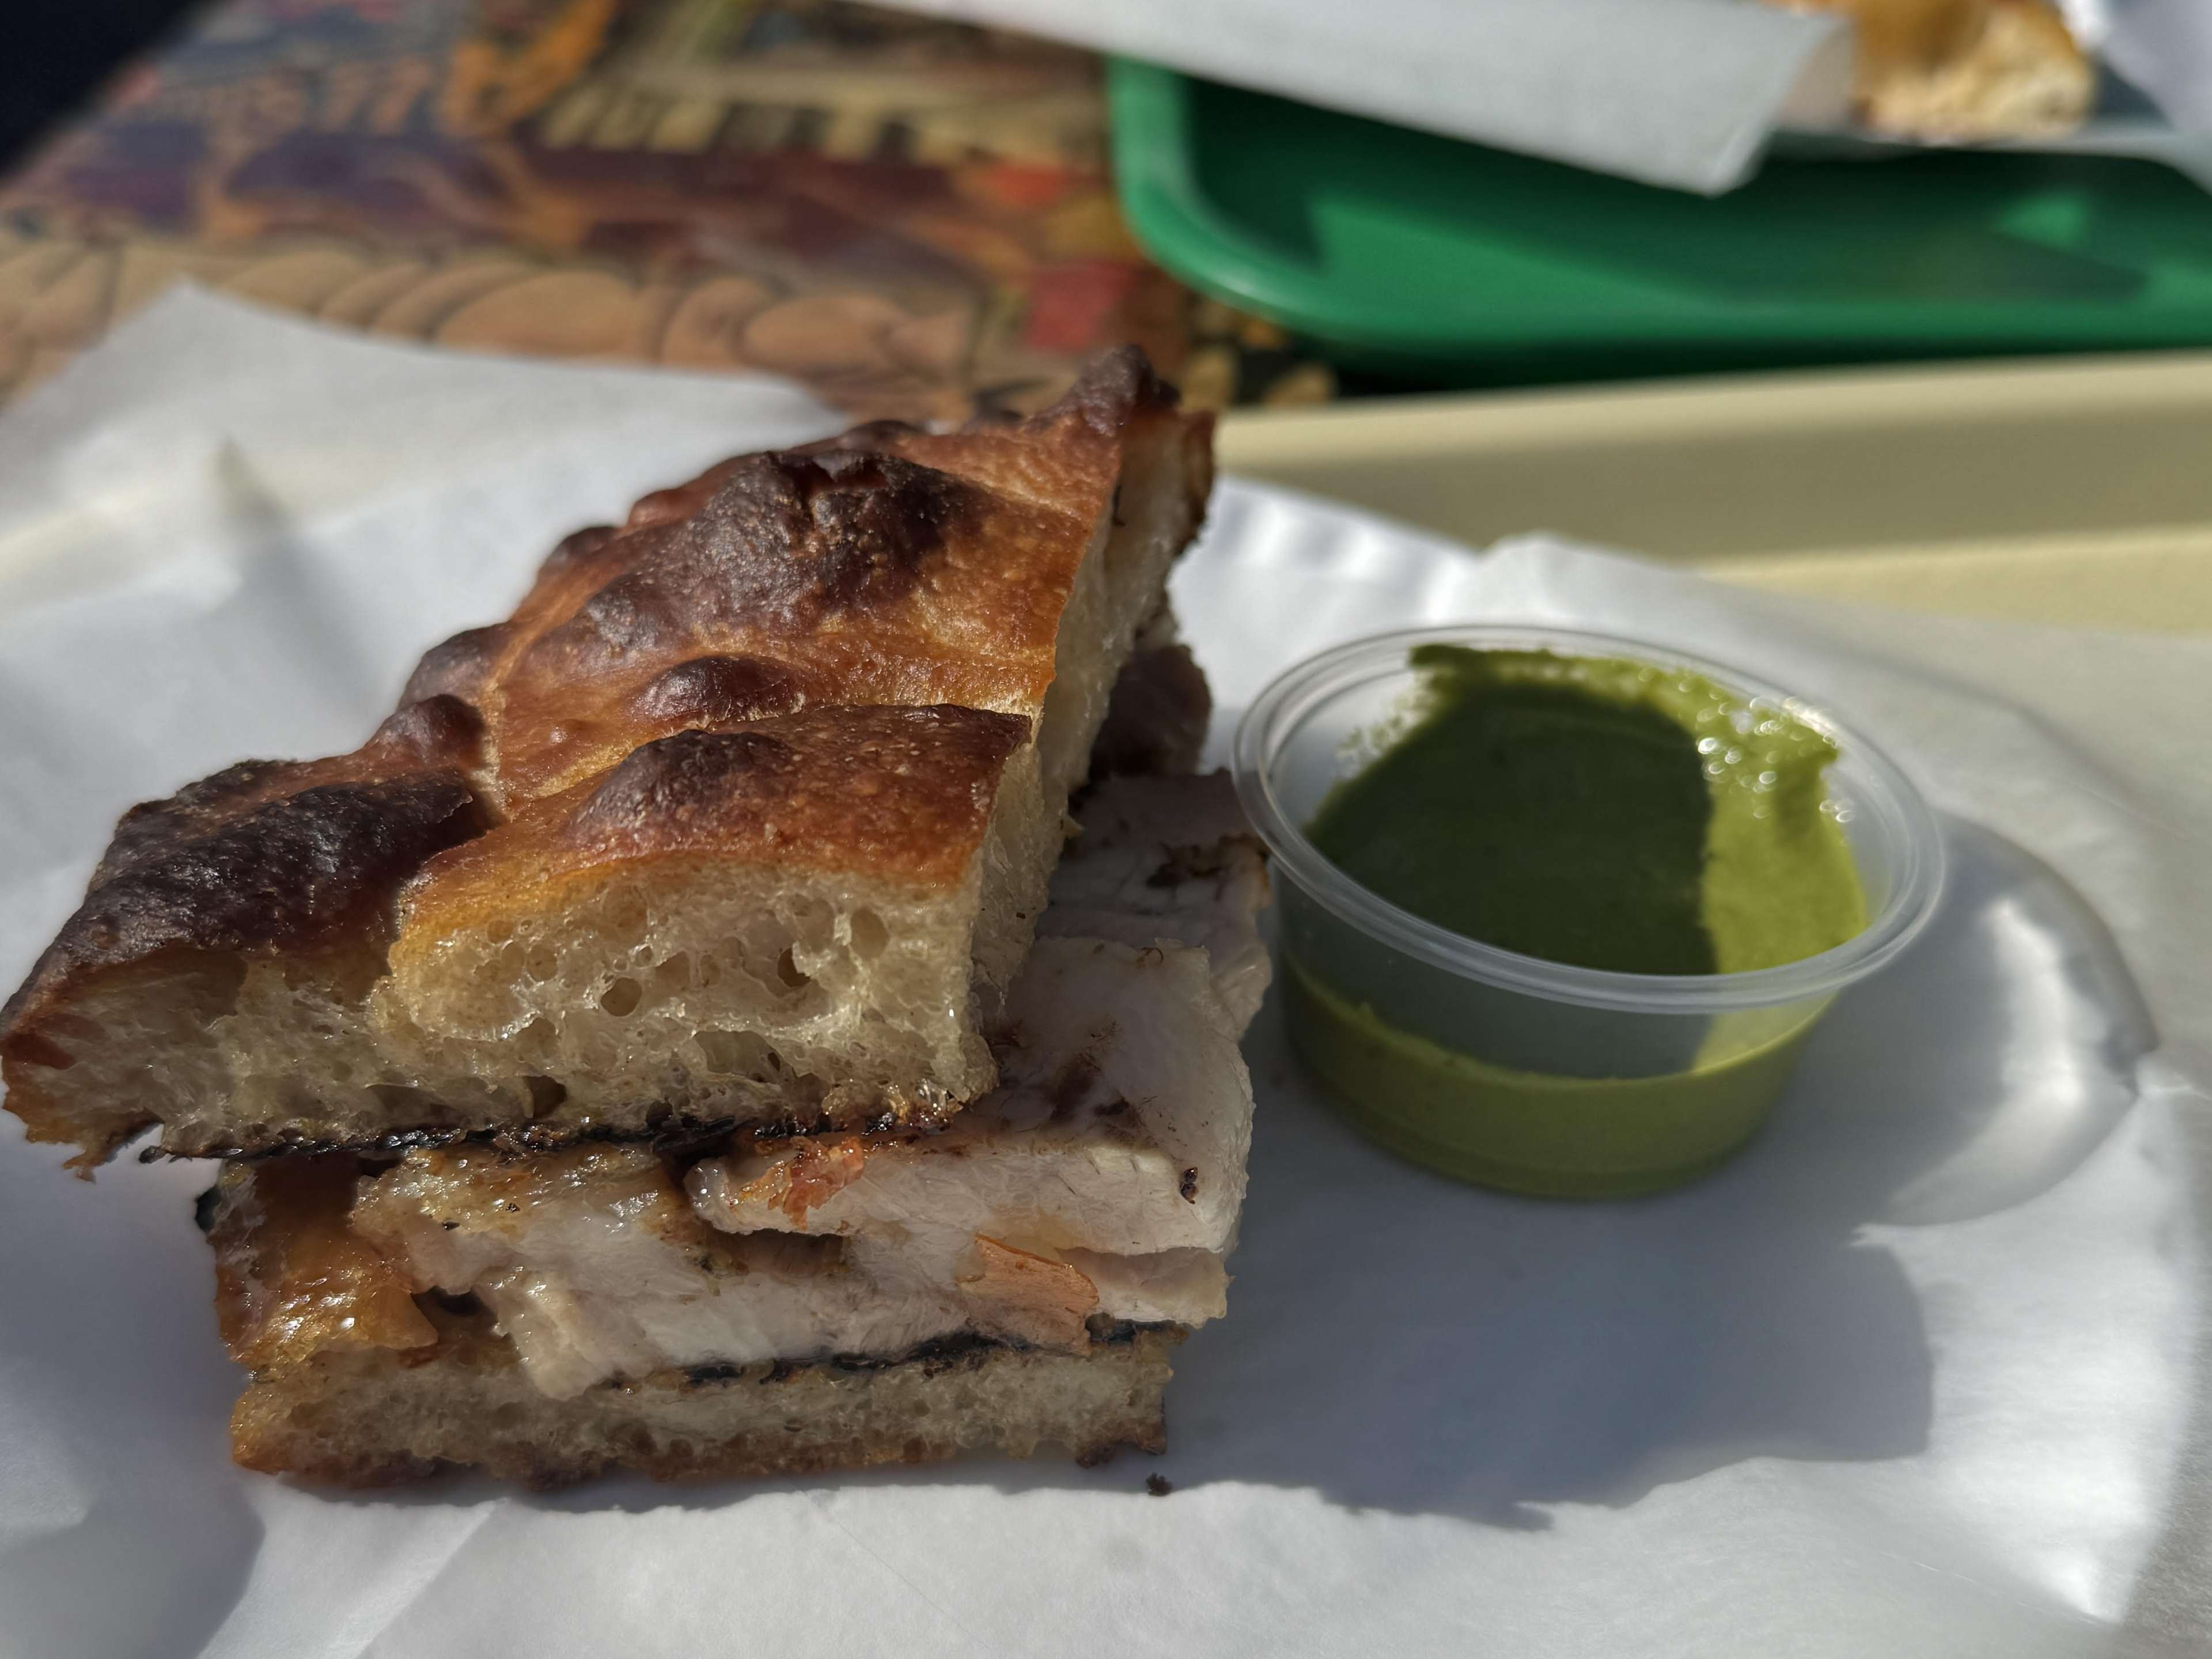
x=912, y=218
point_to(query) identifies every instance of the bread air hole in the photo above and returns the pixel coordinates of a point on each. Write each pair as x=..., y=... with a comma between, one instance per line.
x=399, y=1099
x=869, y=935
x=621, y=999
x=738, y=1054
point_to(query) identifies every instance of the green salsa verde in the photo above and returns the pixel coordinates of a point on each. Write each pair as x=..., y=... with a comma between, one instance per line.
x=1598, y=812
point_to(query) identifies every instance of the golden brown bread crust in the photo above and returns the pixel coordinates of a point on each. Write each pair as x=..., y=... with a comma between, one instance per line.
x=903, y=793
x=288, y=871
x=883, y=566
x=459, y=667
x=365, y=1416
x=760, y=601
x=273, y=853
x=301, y=857
x=793, y=576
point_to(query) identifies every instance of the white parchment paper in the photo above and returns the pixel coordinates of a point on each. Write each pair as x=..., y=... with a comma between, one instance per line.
x=1680, y=93
x=1919, y=1375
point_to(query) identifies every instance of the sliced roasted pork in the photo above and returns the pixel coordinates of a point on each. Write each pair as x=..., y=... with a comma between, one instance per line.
x=1169, y=858
x=595, y=1266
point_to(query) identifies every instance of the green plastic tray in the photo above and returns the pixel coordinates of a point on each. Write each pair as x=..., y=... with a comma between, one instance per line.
x=1420, y=256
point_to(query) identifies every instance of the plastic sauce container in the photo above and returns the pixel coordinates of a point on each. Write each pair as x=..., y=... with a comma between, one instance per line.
x=1513, y=1071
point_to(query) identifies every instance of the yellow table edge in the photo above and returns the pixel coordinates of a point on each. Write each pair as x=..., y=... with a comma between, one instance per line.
x=2074, y=491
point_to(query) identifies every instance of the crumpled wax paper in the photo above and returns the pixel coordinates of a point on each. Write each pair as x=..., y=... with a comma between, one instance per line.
x=1920, y=1374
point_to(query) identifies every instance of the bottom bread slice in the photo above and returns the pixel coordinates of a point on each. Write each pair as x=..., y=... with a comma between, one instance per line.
x=366, y=1417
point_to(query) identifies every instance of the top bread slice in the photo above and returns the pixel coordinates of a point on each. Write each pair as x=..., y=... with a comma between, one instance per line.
x=746, y=815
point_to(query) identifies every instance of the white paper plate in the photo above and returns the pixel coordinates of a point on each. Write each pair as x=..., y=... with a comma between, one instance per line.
x=1914, y=1376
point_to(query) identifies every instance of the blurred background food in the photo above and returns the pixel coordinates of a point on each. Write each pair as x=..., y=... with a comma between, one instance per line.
x=923, y=218
x=1964, y=68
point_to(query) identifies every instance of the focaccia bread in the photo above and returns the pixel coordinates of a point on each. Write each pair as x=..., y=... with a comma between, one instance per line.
x=746, y=815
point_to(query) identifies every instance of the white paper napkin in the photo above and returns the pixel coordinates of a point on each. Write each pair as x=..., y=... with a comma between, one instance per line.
x=1919, y=1375
x=1681, y=93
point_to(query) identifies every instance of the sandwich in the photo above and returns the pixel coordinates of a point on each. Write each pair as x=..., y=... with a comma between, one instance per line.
x=675, y=1040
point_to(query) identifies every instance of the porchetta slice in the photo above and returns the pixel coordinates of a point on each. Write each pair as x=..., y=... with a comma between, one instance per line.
x=595, y=1266
x=1169, y=858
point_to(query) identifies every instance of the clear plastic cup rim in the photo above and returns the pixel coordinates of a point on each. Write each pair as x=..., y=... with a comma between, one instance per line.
x=1882, y=789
